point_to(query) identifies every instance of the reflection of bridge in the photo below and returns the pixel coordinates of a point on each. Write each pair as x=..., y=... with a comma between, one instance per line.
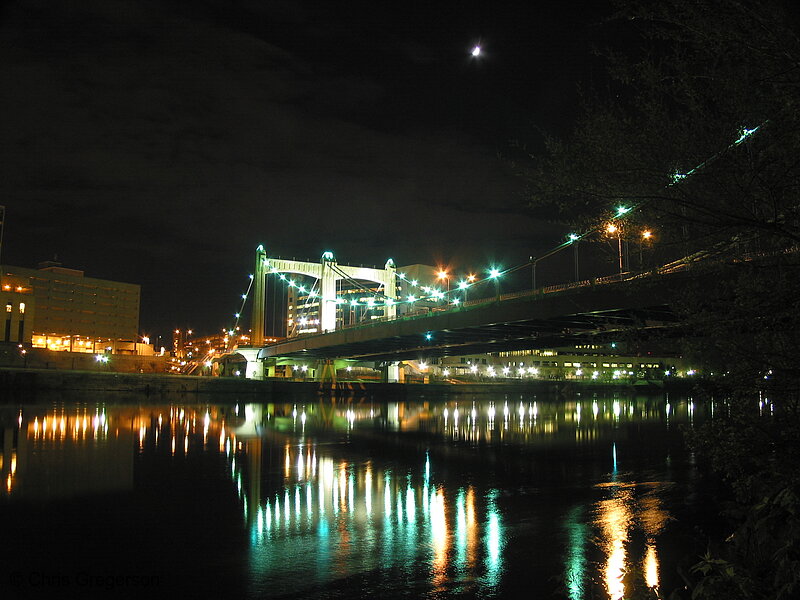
x=514, y=322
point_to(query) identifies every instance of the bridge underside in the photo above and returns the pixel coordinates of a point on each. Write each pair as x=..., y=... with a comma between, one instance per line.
x=538, y=321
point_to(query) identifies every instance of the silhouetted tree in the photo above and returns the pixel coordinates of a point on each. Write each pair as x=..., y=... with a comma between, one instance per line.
x=698, y=133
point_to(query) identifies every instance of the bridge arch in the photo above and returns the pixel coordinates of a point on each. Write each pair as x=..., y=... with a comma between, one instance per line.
x=328, y=272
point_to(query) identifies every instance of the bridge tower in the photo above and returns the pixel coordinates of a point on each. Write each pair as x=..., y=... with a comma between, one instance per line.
x=328, y=272
x=259, y=283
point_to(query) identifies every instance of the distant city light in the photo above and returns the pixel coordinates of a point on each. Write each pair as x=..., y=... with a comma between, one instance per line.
x=476, y=51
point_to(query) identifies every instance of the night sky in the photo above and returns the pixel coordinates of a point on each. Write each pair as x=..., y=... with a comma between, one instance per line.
x=159, y=142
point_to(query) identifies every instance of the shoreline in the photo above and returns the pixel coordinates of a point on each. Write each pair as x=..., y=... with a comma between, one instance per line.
x=19, y=383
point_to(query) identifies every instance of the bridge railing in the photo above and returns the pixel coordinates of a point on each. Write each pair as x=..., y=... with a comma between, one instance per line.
x=666, y=269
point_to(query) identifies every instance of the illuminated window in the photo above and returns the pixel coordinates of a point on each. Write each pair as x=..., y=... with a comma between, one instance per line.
x=22, y=308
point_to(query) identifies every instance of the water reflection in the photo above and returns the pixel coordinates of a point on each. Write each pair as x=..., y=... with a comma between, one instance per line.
x=349, y=509
x=319, y=489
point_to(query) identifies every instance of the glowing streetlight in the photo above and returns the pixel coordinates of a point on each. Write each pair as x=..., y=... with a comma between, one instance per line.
x=611, y=228
x=573, y=239
x=647, y=237
x=443, y=276
x=476, y=51
x=495, y=274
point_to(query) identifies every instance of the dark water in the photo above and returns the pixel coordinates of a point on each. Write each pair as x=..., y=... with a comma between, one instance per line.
x=590, y=497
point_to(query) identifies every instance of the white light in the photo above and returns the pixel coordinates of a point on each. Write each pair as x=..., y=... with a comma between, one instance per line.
x=446, y=373
x=476, y=51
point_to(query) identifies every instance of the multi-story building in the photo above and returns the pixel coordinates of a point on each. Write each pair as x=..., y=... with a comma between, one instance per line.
x=72, y=312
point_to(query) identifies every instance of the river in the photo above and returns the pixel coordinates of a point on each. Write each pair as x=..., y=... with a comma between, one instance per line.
x=592, y=496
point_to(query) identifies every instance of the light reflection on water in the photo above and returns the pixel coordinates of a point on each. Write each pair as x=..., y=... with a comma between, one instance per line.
x=349, y=517
x=321, y=487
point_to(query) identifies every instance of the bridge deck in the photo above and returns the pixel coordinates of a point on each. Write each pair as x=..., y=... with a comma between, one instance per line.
x=525, y=321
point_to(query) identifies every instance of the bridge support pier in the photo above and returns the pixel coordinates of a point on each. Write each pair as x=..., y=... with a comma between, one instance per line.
x=255, y=367
x=392, y=373
x=326, y=371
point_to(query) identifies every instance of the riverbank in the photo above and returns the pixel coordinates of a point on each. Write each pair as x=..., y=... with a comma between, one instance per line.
x=30, y=384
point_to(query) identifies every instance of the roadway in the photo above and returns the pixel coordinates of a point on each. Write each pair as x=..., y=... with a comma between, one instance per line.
x=591, y=311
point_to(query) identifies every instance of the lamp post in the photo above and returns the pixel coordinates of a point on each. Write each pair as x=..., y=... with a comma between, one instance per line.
x=463, y=285
x=495, y=274
x=573, y=239
x=533, y=272
x=647, y=236
x=442, y=275
x=612, y=229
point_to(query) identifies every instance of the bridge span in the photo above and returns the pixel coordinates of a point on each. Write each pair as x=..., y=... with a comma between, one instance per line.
x=580, y=313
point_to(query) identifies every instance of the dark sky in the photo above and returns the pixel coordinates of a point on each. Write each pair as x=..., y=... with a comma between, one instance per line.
x=158, y=142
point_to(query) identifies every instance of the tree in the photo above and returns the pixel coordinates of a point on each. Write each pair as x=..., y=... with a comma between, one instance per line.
x=697, y=133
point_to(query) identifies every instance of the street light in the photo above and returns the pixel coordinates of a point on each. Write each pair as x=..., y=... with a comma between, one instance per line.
x=612, y=229
x=443, y=276
x=463, y=285
x=647, y=236
x=573, y=239
x=494, y=273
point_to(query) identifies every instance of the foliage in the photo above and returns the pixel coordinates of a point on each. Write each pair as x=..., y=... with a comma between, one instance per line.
x=689, y=80
x=758, y=456
x=698, y=130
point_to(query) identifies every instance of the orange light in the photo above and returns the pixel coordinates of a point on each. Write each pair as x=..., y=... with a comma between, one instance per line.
x=611, y=228
x=647, y=234
x=442, y=274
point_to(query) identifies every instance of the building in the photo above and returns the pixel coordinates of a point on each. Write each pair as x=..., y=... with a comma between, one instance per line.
x=70, y=311
x=583, y=363
x=18, y=316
